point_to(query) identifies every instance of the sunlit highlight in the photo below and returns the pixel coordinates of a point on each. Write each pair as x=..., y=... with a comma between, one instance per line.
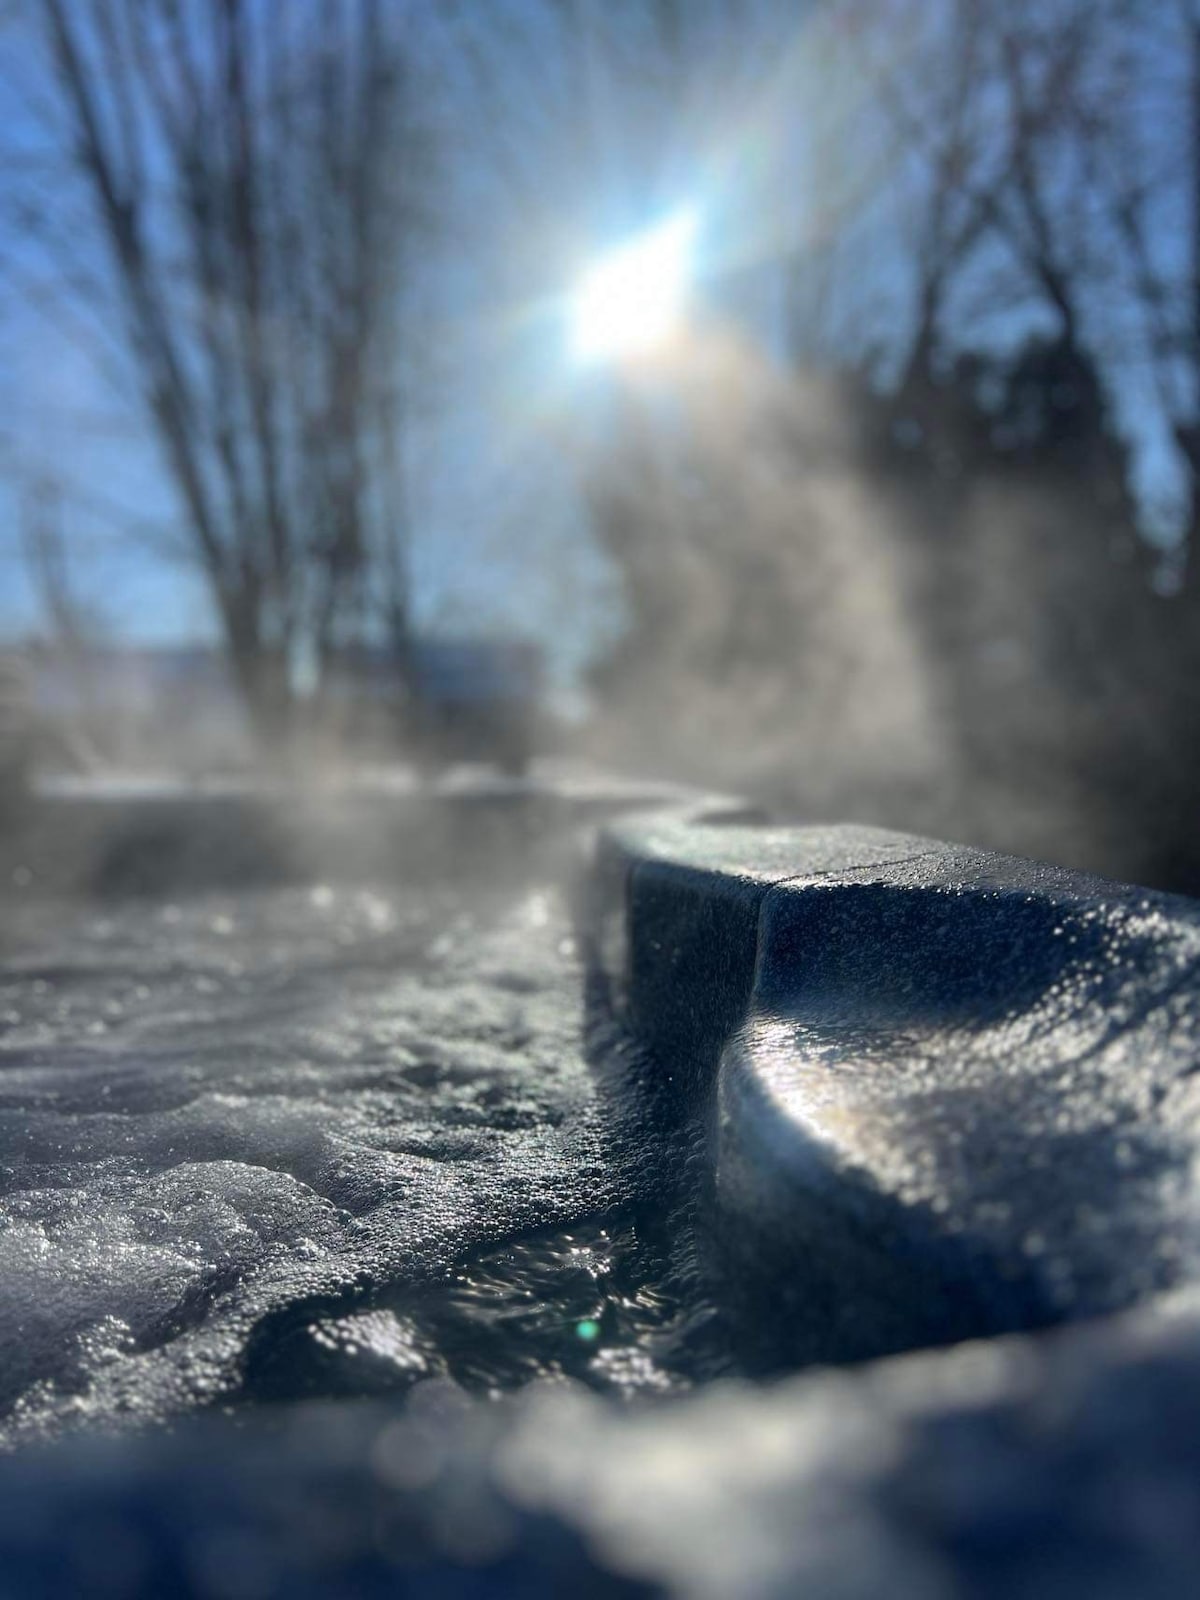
x=632, y=302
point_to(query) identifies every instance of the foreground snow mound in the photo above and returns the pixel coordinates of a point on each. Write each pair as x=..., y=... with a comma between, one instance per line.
x=1064, y=1465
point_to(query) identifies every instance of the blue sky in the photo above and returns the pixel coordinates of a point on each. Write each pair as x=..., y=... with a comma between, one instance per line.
x=499, y=540
x=502, y=536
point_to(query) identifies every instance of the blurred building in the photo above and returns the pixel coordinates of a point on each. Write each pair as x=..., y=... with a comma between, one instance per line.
x=451, y=699
x=151, y=706
x=177, y=707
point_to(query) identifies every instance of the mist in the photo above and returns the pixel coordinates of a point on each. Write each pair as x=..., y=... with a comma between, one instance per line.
x=896, y=525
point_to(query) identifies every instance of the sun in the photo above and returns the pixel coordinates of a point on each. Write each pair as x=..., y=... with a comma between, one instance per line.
x=632, y=301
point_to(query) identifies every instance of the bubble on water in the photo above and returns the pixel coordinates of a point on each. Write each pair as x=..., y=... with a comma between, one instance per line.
x=377, y=913
x=537, y=911
x=377, y=1335
x=322, y=1155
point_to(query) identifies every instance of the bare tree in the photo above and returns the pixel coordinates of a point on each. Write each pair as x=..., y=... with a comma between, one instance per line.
x=249, y=167
x=1145, y=174
x=73, y=629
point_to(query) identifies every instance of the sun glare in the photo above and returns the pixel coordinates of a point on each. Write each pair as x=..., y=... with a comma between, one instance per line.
x=632, y=301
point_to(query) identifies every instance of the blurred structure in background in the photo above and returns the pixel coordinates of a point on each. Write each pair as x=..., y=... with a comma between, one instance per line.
x=456, y=700
x=900, y=521
x=156, y=710
x=16, y=733
x=141, y=709
x=477, y=698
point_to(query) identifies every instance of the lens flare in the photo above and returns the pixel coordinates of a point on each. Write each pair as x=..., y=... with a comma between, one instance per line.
x=632, y=301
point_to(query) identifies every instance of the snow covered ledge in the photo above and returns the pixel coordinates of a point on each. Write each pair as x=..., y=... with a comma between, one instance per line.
x=948, y=1093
